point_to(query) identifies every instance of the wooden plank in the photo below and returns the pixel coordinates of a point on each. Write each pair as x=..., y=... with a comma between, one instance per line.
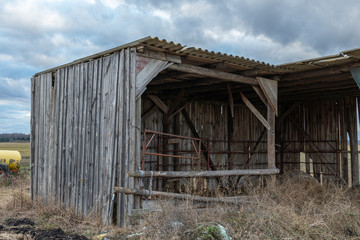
x=352, y=125
x=213, y=73
x=126, y=138
x=148, y=73
x=60, y=135
x=144, y=52
x=85, y=125
x=95, y=161
x=270, y=90
x=143, y=192
x=131, y=125
x=138, y=146
x=75, y=166
x=69, y=127
x=196, y=135
x=55, y=120
x=121, y=147
x=311, y=145
x=64, y=135
x=255, y=111
x=206, y=174
x=33, y=145
x=231, y=100
x=51, y=149
x=163, y=107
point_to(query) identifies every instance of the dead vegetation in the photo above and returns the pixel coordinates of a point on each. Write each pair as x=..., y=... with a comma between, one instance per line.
x=295, y=208
x=18, y=205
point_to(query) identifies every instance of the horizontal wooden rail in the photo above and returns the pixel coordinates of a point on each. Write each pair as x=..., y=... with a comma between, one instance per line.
x=143, y=192
x=180, y=174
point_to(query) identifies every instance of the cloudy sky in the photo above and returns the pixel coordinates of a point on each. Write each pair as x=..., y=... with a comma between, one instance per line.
x=39, y=34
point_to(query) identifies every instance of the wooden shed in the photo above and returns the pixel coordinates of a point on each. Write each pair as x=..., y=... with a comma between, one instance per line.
x=145, y=117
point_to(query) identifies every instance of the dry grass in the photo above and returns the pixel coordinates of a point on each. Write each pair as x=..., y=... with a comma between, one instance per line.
x=290, y=210
x=49, y=216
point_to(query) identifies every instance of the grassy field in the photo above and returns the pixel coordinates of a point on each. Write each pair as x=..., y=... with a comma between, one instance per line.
x=24, y=149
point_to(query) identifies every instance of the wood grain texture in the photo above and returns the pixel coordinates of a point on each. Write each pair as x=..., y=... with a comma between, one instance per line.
x=82, y=134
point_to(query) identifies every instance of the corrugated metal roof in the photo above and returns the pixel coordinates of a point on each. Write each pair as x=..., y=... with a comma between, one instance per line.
x=206, y=54
x=346, y=57
x=343, y=58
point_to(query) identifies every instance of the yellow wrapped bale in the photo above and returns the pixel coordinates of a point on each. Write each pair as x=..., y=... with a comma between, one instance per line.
x=11, y=159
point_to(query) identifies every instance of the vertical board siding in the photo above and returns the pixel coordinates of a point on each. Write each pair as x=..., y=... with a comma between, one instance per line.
x=83, y=135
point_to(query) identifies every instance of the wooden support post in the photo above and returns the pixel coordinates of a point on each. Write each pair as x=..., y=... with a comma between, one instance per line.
x=271, y=136
x=271, y=140
x=352, y=130
x=137, y=148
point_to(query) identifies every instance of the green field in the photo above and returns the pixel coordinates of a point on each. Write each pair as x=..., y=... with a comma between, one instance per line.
x=24, y=149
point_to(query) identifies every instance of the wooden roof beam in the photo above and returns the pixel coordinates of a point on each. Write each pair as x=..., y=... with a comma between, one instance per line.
x=339, y=84
x=230, y=77
x=316, y=80
x=316, y=73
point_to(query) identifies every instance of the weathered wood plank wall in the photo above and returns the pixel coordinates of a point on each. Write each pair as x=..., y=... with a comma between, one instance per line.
x=211, y=122
x=326, y=131
x=83, y=134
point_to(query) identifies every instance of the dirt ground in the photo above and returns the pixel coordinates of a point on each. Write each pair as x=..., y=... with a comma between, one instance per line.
x=20, y=218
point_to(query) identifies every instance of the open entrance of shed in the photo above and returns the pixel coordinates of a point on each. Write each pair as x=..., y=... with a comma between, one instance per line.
x=90, y=115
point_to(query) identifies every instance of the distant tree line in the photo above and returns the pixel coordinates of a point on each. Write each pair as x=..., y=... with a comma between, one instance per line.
x=14, y=137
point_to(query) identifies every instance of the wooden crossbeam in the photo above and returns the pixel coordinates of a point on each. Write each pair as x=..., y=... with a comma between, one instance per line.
x=255, y=111
x=317, y=73
x=159, y=103
x=213, y=73
x=192, y=174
